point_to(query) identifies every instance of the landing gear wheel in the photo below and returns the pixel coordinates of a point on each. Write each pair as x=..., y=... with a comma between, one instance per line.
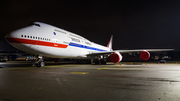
x=100, y=62
x=103, y=62
x=42, y=64
x=33, y=64
x=97, y=62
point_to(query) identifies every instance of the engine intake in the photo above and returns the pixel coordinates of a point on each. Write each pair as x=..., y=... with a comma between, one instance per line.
x=115, y=57
x=144, y=55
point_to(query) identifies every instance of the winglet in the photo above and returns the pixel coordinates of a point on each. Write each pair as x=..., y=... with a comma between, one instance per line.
x=110, y=42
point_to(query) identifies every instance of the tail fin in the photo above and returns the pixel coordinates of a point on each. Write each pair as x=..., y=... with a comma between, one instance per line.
x=110, y=42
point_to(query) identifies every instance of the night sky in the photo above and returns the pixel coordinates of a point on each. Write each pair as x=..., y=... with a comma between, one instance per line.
x=135, y=24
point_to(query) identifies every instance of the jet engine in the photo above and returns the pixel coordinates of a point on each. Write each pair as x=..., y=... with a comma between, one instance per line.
x=116, y=57
x=144, y=55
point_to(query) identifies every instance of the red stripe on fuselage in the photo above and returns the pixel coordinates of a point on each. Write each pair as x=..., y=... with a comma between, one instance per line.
x=36, y=42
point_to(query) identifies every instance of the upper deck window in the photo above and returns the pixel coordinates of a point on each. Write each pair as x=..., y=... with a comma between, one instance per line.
x=59, y=31
x=34, y=24
x=75, y=36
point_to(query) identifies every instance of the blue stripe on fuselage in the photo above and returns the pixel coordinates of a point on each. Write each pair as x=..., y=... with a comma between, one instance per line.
x=85, y=47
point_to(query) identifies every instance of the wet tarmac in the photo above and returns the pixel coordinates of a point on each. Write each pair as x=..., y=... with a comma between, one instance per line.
x=83, y=82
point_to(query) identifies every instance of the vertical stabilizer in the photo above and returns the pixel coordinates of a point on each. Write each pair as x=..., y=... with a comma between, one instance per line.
x=110, y=42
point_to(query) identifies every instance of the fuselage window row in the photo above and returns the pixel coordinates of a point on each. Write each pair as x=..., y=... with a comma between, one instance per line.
x=34, y=37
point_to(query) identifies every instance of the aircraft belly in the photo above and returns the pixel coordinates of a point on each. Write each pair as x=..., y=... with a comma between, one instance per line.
x=24, y=47
x=52, y=51
x=75, y=52
x=68, y=52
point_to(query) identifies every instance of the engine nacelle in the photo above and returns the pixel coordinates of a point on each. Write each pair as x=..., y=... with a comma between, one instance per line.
x=144, y=55
x=115, y=57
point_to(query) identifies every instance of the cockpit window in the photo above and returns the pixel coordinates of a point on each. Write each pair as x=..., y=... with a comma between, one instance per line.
x=34, y=24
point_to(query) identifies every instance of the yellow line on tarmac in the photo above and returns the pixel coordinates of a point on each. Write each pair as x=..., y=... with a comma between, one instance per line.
x=102, y=68
x=60, y=66
x=79, y=73
x=17, y=68
x=52, y=66
x=116, y=65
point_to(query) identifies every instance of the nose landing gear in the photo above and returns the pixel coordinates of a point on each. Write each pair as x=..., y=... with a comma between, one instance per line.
x=39, y=62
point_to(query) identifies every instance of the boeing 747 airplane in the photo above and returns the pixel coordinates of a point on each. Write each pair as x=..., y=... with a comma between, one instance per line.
x=43, y=40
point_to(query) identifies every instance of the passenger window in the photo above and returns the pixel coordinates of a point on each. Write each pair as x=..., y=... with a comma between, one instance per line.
x=36, y=37
x=43, y=38
x=28, y=36
x=21, y=35
x=25, y=36
x=31, y=37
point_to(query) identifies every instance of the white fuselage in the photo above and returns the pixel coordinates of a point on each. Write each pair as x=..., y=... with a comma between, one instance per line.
x=49, y=41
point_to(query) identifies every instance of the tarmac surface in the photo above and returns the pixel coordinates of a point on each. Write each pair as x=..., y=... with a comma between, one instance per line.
x=85, y=82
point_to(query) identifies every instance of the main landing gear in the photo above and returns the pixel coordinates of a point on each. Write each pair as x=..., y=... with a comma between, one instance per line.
x=39, y=62
x=101, y=60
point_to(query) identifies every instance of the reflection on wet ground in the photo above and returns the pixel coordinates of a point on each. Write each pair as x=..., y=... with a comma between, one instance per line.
x=69, y=82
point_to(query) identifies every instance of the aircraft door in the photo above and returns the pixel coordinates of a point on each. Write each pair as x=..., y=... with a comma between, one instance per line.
x=34, y=42
x=55, y=42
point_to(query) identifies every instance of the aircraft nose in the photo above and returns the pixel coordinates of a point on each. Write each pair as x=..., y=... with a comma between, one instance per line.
x=10, y=36
x=7, y=35
x=14, y=34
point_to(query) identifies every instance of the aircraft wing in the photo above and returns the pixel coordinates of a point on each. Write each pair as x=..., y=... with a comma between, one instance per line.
x=127, y=51
x=139, y=50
